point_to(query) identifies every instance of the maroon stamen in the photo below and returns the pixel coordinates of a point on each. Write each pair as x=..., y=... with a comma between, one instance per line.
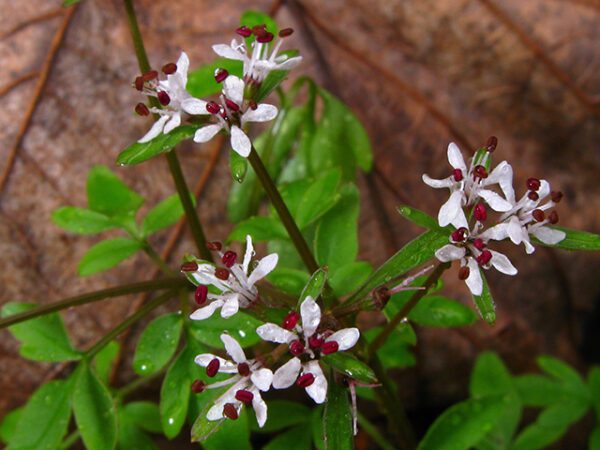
x=459, y=234
x=329, y=347
x=213, y=367
x=244, y=396
x=243, y=369
x=220, y=75
x=305, y=380
x=253, y=105
x=463, y=273
x=458, y=175
x=190, y=266
x=491, y=144
x=265, y=38
x=315, y=342
x=244, y=31
x=286, y=32
x=139, y=83
x=259, y=30
x=214, y=246
x=484, y=258
x=553, y=217
x=221, y=273
x=538, y=215
x=230, y=412
x=198, y=386
x=480, y=212
x=480, y=172
x=150, y=75
x=169, y=68
x=201, y=294
x=479, y=244
x=556, y=196
x=532, y=195
x=291, y=320
x=296, y=347
x=163, y=98
x=533, y=184
x=232, y=105
x=229, y=258
x=213, y=107
x=142, y=109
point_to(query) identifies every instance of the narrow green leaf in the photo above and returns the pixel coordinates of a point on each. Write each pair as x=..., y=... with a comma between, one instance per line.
x=418, y=217
x=203, y=428
x=594, y=443
x=81, y=220
x=351, y=367
x=350, y=277
x=175, y=394
x=282, y=414
x=337, y=419
x=8, y=425
x=537, y=390
x=163, y=215
x=157, y=344
x=438, y=311
x=43, y=338
x=594, y=387
x=295, y=439
x=44, y=420
x=95, y=411
x=105, y=360
x=273, y=79
x=233, y=434
x=261, y=228
x=485, y=302
x=286, y=135
x=576, y=240
x=201, y=81
x=290, y=281
x=238, y=166
x=358, y=140
x=144, y=415
x=107, y=254
x=107, y=194
x=395, y=352
x=316, y=422
x=241, y=326
x=314, y=286
x=319, y=198
x=564, y=373
x=138, y=152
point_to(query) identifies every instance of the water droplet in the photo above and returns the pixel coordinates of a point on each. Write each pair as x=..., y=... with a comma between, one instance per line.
x=242, y=333
x=171, y=421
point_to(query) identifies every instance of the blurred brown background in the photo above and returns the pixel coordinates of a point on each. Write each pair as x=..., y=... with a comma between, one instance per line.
x=419, y=73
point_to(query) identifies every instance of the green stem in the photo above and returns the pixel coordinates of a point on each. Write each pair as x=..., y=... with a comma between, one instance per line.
x=141, y=313
x=174, y=166
x=157, y=259
x=134, y=288
x=372, y=431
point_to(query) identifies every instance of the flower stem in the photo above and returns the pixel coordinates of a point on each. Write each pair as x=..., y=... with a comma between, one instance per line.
x=134, y=288
x=174, y=166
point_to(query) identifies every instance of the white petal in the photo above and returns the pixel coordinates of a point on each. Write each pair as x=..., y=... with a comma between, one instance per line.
x=262, y=378
x=263, y=113
x=183, y=64
x=264, y=267
x=248, y=255
x=287, y=374
x=450, y=252
x=206, y=133
x=496, y=202
x=224, y=367
x=173, y=123
x=206, y=311
x=502, y=263
x=437, y=184
x=503, y=175
x=455, y=158
x=227, y=52
x=240, y=142
x=233, y=348
x=194, y=106
x=549, y=235
x=318, y=390
x=496, y=233
x=155, y=130
x=474, y=281
x=274, y=333
x=451, y=212
x=516, y=232
x=233, y=88
x=544, y=190
x=230, y=307
x=289, y=64
x=260, y=409
x=528, y=247
x=311, y=316
x=346, y=338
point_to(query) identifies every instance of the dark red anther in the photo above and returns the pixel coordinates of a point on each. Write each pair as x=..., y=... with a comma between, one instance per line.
x=142, y=109
x=213, y=367
x=556, y=196
x=296, y=347
x=169, y=68
x=286, y=32
x=253, y=105
x=265, y=38
x=220, y=75
x=214, y=246
x=463, y=273
x=305, y=380
x=329, y=347
x=479, y=244
x=201, y=294
x=150, y=75
x=458, y=175
x=484, y=258
x=221, y=273
x=163, y=98
x=538, y=215
x=491, y=144
x=230, y=412
x=243, y=369
x=533, y=184
x=233, y=106
x=291, y=320
x=459, y=234
x=139, y=83
x=213, y=107
x=553, y=217
x=480, y=172
x=190, y=266
x=244, y=31
x=244, y=396
x=315, y=342
x=532, y=195
x=198, y=386
x=480, y=212
x=259, y=30
x=229, y=258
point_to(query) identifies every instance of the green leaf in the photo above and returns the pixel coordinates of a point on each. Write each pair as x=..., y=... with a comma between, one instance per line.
x=8, y=425
x=43, y=338
x=105, y=360
x=463, y=425
x=233, y=434
x=485, y=302
x=81, y=220
x=395, y=352
x=594, y=443
x=157, y=344
x=138, y=152
x=273, y=79
x=286, y=135
x=490, y=377
x=252, y=18
x=132, y=437
x=295, y=439
x=316, y=421
x=44, y=420
x=537, y=390
x=241, y=326
x=438, y=311
x=201, y=81
x=163, y=215
x=67, y=3
x=337, y=418
x=283, y=414
x=350, y=277
x=319, y=198
x=358, y=140
x=95, y=411
x=418, y=217
x=144, y=415
x=290, y=281
x=107, y=254
x=351, y=367
x=314, y=286
x=594, y=387
x=203, y=428
x=175, y=394
x=107, y=194
x=564, y=373
x=576, y=240
x=261, y=228
x=238, y=166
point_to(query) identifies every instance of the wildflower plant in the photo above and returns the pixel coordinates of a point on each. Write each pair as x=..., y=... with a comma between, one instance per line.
x=279, y=318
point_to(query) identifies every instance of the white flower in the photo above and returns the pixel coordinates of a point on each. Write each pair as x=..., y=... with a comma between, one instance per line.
x=238, y=290
x=250, y=378
x=304, y=339
x=232, y=115
x=467, y=186
x=174, y=97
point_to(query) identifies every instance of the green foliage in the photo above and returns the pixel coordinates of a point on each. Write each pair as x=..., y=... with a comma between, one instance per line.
x=395, y=352
x=485, y=302
x=337, y=419
x=283, y=414
x=157, y=344
x=350, y=277
x=105, y=359
x=107, y=194
x=314, y=286
x=238, y=166
x=241, y=326
x=144, y=415
x=81, y=220
x=261, y=228
x=576, y=240
x=107, y=254
x=8, y=425
x=201, y=82
x=163, y=215
x=296, y=438
x=418, y=217
x=350, y=366
x=234, y=434
x=432, y=311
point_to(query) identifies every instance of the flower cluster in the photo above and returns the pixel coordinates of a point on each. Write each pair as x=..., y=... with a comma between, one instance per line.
x=472, y=191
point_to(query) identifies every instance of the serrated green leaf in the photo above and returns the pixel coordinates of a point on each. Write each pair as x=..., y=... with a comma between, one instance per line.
x=418, y=217
x=282, y=414
x=157, y=344
x=8, y=425
x=261, y=228
x=240, y=326
x=337, y=418
x=350, y=277
x=234, y=434
x=140, y=152
x=295, y=439
x=43, y=338
x=485, y=302
x=163, y=215
x=107, y=194
x=145, y=415
x=314, y=286
x=81, y=220
x=45, y=418
x=107, y=254
x=350, y=366
x=201, y=81
x=290, y=281
x=105, y=359
x=95, y=411
x=576, y=240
